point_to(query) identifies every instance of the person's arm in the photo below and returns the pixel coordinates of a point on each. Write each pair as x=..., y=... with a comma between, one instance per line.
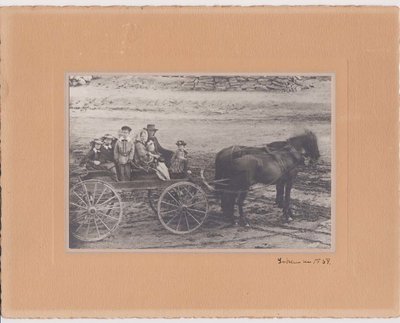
x=116, y=155
x=88, y=159
x=132, y=153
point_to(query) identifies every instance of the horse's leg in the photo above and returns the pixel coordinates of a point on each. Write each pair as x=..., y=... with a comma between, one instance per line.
x=280, y=186
x=287, y=212
x=243, y=220
x=228, y=205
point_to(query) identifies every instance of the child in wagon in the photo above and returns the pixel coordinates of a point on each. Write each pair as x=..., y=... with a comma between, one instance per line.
x=179, y=161
x=124, y=151
x=92, y=158
x=107, y=154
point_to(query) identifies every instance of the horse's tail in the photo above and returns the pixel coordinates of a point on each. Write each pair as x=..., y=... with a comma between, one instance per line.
x=223, y=161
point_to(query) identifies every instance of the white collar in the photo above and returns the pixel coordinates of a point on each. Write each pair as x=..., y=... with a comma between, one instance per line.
x=96, y=150
x=107, y=146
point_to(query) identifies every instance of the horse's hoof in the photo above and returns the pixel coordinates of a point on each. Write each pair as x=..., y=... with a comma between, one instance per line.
x=244, y=223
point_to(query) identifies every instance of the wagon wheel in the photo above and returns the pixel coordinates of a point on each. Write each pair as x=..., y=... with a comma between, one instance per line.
x=153, y=196
x=95, y=210
x=182, y=207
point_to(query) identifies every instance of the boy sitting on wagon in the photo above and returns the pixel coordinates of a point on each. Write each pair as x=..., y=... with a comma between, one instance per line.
x=92, y=158
x=97, y=158
x=107, y=154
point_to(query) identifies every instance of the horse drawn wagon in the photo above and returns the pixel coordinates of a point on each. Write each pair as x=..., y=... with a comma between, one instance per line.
x=96, y=203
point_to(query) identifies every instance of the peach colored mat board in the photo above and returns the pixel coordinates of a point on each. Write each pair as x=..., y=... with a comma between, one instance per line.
x=357, y=277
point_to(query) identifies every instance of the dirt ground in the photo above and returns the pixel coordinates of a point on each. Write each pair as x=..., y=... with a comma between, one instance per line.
x=208, y=122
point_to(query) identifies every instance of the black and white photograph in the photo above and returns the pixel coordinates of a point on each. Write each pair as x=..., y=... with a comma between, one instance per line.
x=209, y=162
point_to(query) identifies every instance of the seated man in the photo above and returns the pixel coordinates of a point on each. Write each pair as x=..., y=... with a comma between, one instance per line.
x=166, y=154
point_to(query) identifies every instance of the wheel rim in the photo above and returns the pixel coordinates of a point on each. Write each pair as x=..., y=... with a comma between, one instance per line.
x=182, y=207
x=95, y=210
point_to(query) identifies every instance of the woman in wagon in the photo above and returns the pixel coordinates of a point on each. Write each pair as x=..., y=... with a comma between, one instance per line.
x=124, y=152
x=144, y=159
x=179, y=161
x=156, y=162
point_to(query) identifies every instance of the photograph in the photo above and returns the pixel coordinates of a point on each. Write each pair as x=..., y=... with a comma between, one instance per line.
x=210, y=162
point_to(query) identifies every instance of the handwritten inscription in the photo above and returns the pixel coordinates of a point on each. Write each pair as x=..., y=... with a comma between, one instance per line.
x=314, y=261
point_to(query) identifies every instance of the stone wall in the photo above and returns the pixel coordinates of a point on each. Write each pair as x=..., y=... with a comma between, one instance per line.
x=245, y=83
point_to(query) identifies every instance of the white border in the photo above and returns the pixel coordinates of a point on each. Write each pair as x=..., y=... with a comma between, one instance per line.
x=282, y=251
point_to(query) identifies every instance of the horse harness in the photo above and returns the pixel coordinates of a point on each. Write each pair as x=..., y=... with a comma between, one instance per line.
x=238, y=152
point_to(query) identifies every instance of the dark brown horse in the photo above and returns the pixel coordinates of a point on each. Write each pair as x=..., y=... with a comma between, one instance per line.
x=237, y=168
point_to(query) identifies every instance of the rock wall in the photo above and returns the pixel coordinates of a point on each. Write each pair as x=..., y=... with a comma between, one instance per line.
x=245, y=83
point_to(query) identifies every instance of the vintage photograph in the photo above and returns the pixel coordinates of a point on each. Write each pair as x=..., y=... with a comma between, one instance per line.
x=210, y=162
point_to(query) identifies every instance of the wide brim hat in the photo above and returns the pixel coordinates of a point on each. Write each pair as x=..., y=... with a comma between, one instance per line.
x=107, y=136
x=97, y=141
x=151, y=127
x=126, y=128
x=180, y=143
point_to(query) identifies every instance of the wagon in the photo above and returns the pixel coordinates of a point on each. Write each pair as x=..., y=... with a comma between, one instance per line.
x=96, y=203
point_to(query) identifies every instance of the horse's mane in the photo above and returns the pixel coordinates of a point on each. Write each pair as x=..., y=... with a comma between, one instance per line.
x=305, y=133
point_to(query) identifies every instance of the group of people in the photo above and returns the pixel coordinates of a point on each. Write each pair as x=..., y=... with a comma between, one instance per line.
x=121, y=155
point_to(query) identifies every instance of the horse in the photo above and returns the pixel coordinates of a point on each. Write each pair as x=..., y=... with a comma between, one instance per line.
x=237, y=168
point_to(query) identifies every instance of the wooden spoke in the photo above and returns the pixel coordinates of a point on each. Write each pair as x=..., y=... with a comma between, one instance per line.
x=108, y=216
x=195, y=203
x=174, y=198
x=77, y=229
x=187, y=222
x=195, y=210
x=179, y=222
x=87, y=194
x=170, y=220
x=104, y=224
x=101, y=195
x=77, y=205
x=193, y=217
x=87, y=230
x=79, y=217
x=167, y=212
x=174, y=205
x=111, y=198
x=80, y=198
x=97, y=228
x=94, y=191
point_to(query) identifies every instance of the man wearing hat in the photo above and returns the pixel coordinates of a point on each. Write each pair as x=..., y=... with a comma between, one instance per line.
x=124, y=152
x=164, y=153
x=107, y=154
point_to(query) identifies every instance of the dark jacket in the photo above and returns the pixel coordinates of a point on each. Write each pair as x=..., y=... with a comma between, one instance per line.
x=107, y=154
x=90, y=157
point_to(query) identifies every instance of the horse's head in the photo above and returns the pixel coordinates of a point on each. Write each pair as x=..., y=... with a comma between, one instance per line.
x=307, y=145
x=310, y=145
